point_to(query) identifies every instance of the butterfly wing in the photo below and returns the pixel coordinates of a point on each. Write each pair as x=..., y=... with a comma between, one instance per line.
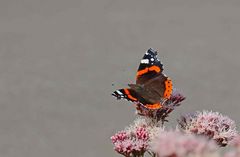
x=127, y=94
x=161, y=86
x=149, y=67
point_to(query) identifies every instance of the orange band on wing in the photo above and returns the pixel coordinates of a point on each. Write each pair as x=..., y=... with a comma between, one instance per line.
x=129, y=95
x=168, y=89
x=153, y=106
x=141, y=72
x=155, y=68
x=152, y=68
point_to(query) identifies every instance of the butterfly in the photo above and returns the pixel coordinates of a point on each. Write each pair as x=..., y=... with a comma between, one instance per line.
x=152, y=88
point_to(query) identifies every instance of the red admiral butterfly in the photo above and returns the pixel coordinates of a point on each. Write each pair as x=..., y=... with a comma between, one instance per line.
x=152, y=87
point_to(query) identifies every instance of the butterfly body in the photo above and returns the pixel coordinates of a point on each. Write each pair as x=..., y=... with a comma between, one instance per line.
x=152, y=87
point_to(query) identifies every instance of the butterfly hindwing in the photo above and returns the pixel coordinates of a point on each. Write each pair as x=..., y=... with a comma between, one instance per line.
x=161, y=86
x=149, y=67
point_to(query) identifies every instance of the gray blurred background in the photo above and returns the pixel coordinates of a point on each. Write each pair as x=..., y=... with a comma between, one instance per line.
x=60, y=60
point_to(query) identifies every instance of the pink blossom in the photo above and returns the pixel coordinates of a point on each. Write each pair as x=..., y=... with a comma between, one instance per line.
x=123, y=146
x=177, y=144
x=133, y=140
x=120, y=136
x=122, y=143
x=142, y=134
x=213, y=125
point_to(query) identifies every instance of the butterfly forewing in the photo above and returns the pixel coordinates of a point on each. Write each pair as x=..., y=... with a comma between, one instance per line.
x=149, y=67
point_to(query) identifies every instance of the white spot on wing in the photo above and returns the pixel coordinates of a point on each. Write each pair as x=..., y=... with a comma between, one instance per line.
x=152, y=59
x=120, y=93
x=145, y=61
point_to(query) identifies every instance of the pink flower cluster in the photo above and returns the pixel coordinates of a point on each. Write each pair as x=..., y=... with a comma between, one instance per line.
x=131, y=141
x=177, y=144
x=213, y=125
